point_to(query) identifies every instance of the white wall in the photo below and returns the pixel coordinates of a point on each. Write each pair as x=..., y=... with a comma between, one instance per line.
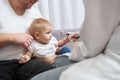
x=63, y=14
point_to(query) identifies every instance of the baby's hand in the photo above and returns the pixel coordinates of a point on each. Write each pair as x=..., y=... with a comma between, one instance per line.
x=74, y=36
x=24, y=59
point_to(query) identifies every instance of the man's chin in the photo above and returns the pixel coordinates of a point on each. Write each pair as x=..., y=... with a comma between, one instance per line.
x=28, y=7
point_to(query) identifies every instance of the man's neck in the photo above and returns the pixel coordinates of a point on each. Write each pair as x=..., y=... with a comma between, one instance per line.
x=17, y=7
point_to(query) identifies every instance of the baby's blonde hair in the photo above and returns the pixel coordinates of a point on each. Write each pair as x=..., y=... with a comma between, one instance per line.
x=37, y=25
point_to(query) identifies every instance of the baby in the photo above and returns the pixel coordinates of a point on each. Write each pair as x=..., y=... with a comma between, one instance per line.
x=44, y=45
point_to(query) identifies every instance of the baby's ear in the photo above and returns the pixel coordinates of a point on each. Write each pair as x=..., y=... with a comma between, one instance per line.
x=36, y=35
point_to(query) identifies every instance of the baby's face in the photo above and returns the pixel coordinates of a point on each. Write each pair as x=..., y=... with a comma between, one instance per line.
x=45, y=35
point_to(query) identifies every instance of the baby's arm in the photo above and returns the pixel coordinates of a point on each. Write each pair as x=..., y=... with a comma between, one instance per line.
x=64, y=41
x=70, y=36
x=25, y=58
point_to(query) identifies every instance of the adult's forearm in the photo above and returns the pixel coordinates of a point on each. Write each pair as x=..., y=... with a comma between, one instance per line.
x=16, y=38
x=5, y=39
